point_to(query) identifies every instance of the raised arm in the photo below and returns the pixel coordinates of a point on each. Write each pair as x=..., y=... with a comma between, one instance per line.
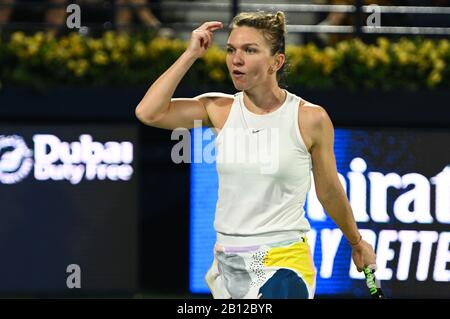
x=329, y=190
x=158, y=108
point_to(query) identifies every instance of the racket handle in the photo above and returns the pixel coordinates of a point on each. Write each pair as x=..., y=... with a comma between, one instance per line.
x=373, y=284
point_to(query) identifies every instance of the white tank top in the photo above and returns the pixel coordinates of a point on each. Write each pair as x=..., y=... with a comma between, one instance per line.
x=264, y=171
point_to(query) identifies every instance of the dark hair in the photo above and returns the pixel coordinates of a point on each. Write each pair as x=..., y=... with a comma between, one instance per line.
x=273, y=27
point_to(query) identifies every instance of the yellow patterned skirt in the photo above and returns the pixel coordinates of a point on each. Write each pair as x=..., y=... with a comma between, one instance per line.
x=283, y=270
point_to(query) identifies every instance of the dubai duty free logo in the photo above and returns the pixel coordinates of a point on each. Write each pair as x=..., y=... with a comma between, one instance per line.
x=16, y=159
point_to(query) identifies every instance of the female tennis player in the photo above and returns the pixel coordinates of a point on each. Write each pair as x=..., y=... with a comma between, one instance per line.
x=261, y=249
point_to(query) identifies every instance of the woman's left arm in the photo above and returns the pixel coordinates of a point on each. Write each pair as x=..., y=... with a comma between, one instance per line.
x=329, y=190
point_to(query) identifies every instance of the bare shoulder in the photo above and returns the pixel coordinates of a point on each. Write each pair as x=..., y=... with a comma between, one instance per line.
x=217, y=106
x=313, y=122
x=312, y=115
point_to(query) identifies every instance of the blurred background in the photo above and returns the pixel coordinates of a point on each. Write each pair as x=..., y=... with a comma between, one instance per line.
x=92, y=203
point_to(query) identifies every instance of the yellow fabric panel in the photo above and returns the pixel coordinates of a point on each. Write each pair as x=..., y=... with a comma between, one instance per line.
x=295, y=257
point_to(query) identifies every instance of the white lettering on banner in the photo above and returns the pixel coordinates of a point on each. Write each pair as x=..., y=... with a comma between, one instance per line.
x=72, y=173
x=426, y=238
x=442, y=259
x=126, y=152
x=70, y=153
x=394, y=248
x=442, y=182
x=358, y=194
x=418, y=197
x=41, y=142
x=330, y=239
x=378, y=194
x=57, y=160
x=407, y=239
x=385, y=253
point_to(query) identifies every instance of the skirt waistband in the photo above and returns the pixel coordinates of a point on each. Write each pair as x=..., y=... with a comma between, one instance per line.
x=257, y=240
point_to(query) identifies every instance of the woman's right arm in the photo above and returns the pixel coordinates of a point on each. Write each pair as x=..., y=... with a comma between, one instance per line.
x=157, y=108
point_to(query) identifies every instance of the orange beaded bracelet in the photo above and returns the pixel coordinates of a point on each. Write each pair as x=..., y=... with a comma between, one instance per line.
x=359, y=240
